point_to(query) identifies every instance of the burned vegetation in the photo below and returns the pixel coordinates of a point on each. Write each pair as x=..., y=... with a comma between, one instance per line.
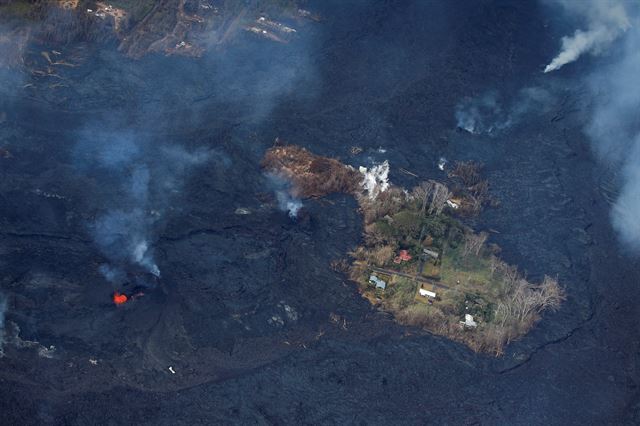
x=141, y=27
x=311, y=175
x=419, y=261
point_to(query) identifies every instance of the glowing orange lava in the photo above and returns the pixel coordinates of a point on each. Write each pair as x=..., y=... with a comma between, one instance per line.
x=119, y=298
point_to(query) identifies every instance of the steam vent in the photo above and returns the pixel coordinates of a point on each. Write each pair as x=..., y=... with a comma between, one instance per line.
x=296, y=212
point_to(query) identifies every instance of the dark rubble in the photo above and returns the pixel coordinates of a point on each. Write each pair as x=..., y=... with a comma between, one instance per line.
x=248, y=311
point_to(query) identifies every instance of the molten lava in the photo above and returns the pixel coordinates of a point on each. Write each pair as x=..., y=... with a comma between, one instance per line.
x=119, y=298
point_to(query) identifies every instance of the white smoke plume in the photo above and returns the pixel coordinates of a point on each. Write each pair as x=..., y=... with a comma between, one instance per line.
x=140, y=178
x=481, y=115
x=489, y=114
x=614, y=130
x=287, y=202
x=606, y=21
x=376, y=179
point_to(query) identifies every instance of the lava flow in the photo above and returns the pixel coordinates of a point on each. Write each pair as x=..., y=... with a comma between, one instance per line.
x=119, y=298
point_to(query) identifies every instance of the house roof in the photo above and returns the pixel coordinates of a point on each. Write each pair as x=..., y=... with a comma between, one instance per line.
x=378, y=282
x=404, y=255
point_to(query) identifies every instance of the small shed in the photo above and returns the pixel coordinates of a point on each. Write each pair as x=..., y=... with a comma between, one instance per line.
x=427, y=293
x=378, y=282
x=431, y=253
x=453, y=204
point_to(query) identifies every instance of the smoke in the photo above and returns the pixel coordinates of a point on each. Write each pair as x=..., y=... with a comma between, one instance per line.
x=286, y=201
x=124, y=235
x=606, y=21
x=489, y=114
x=614, y=130
x=614, y=125
x=139, y=179
x=12, y=46
x=481, y=115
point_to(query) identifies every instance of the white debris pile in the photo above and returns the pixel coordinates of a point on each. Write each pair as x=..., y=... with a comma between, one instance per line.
x=442, y=163
x=376, y=179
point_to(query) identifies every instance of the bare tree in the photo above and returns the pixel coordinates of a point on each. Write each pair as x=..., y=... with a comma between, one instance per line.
x=439, y=198
x=493, y=264
x=467, y=171
x=551, y=294
x=473, y=243
x=509, y=274
x=525, y=302
x=433, y=195
x=422, y=193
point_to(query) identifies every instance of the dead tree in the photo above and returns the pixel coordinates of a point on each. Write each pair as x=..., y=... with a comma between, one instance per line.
x=509, y=273
x=467, y=171
x=551, y=294
x=473, y=243
x=525, y=302
x=493, y=264
x=433, y=195
x=439, y=198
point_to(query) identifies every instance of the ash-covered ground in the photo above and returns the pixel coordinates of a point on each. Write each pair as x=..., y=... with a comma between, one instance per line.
x=155, y=163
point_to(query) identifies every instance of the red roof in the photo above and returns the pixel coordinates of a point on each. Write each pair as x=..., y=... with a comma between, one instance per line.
x=404, y=255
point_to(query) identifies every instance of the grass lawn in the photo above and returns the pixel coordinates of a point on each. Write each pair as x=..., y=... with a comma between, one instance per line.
x=473, y=272
x=431, y=270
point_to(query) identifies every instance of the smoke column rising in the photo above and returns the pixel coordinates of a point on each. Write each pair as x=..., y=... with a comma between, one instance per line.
x=489, y=114
x=614, y=131
x=141, y=177
x=606, y=21
x=287, y=202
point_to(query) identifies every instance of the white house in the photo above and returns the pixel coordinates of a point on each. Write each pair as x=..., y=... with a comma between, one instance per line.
x=468, y=321
x=452, y=204
x=378, y=282
x=427, y=293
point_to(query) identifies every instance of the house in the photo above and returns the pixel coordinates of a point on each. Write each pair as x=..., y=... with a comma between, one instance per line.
x=431, y=253
x=427, y=293
x=453, y=204
x=403, y=256
x=377, y=282
x=468, y=321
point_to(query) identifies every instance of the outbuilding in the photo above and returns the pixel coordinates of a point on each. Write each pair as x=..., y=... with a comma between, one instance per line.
x=431, y=253
x=378, y=282
x=427, y=293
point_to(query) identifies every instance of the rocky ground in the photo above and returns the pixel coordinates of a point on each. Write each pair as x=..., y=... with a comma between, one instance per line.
x=248, y=312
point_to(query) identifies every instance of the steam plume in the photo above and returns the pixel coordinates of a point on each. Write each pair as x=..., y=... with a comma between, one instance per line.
x=488, y=115
x=606, y=21
x=614, y=131
x=481, y=115
x=140, y=179
x=286, y=201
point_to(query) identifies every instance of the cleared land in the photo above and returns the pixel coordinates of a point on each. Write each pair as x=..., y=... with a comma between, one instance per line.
x=438, y=273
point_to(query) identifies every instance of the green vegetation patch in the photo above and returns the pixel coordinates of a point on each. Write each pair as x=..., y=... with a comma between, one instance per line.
x=480, y=300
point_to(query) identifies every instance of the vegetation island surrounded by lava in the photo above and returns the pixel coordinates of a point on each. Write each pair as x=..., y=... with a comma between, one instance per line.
x=418, y=260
